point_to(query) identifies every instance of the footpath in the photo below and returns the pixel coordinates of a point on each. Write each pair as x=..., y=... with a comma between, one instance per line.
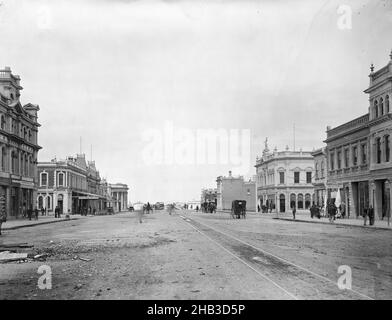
x=24, y=223
x=350, y=222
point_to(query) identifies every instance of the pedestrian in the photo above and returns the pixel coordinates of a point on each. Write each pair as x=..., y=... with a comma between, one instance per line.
x=371, y=215
x=332, y=212
x=294, y=210
x=365, y=215
x=42, y=211
x=56, y=211
x=3, y=218
x=29, y=212
x=36, y=213
x=343, y=210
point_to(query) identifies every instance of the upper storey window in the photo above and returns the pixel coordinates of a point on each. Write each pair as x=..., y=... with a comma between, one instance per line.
x=376, y=108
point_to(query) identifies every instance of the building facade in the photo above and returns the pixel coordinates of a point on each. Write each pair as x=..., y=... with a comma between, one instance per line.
x=359, y=152
x=73, y=185
x=320, y=176
x=208, y=195
x=119, y=196
x=235, y=188
x=18, y=148
x=285, y=180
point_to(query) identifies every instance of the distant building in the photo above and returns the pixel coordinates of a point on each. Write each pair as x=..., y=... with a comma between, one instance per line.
x=359, y=152
x=18, y=148
x=235, y=188
x=320, y=176
x=208, y=195
x=119, y=197
x=285, y=179
x=72, y=184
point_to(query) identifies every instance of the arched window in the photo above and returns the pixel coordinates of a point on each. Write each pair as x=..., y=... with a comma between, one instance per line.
x=300, y=201
x=292, y=200
x=387, y=104
x=48, y=202
x=308, y=200
x=44, y=179
x=375, y=109
x=387, y=148
x=40, y=202
x=381, y=106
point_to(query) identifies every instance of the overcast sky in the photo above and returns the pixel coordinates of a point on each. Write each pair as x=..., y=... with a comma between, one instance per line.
x=110, y=71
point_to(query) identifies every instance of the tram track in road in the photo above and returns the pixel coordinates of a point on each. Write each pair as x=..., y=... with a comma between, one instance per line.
x=296, y=281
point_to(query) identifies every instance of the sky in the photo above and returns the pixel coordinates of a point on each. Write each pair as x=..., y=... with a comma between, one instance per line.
x=141, y=81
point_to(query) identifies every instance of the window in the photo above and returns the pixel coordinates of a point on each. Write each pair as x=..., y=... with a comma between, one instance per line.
x=387, y=104
x=387, y=148
x=381, y=106
x=364, y=153
x=308, y=177
x=378, y=150
x=376, y=108
x=339, y=159
x=3, y=122
x=355, y=156
x=292, y=200
x=322, y=169
x=3, y=159
x=281, y=177
x=44, y=179
x=300, y=201
x=296, y=177
x=332, y=162
x=48, y=202
x=61, y=179
x=317, y=170
x=346, y=158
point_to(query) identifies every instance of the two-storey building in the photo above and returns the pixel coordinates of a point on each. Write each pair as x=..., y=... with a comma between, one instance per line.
x=18, y=148
x=320, y=176
x=284, y=180
x=359, y=152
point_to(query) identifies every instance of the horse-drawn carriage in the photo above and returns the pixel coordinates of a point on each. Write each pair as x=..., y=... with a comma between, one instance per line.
x=238, y=209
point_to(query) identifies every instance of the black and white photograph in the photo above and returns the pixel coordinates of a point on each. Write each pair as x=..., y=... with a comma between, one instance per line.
x=195, y=151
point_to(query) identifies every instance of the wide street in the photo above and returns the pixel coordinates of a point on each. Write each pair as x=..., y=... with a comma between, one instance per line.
x=191, y=255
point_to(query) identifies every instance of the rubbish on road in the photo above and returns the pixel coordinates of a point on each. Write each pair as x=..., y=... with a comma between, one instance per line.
x=7, y=256
x=40, y=256
x=84, y=259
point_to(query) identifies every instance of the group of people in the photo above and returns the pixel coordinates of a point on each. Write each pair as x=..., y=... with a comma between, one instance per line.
x=208, y=207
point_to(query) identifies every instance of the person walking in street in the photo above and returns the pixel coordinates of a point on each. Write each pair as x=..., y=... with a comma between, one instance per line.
x=294, y=210
x=371, y=215
x=29, y=212
x=36, y=213
x=56, y=212
x=42, y=211
x=332, y=212
x=3, y=218
x=365, y=215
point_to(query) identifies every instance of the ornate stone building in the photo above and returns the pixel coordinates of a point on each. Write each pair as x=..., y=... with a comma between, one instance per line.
x=359, y=152
x=72, y=184
x=18, y=148
x=119, y=196
x=284, y=179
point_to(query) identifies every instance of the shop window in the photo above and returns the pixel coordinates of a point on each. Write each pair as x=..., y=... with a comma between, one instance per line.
x=300, y=201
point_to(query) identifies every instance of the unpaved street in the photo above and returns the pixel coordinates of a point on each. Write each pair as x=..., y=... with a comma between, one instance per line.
x=198, y=256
